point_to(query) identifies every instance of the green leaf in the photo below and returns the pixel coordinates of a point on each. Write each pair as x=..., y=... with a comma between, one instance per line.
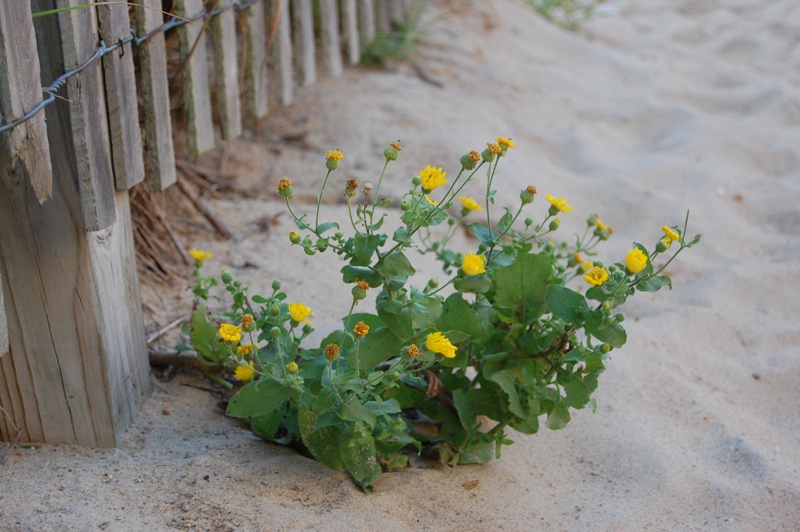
x=266, y=426
x=485, y=235
x=401, y=235
x=507, y=380
x=476, y=284
x=323, y=443
x=610, y=332
x=654, y=284
x=259, y=398
x=505, y=221
x=558, y=418
x=465, y=413
x=324, y=401
x=363, y=248
x=358, y=453
x=384, y=203
x=354, y=411
x=395, y=268
x=204, y=335
x=325, y=227
x=378, y=346
x=377, y=225
x=351, y=274
x=477, y=453
x=458, y=315
x=565, y=304
x=523, y=285
x=259, y=299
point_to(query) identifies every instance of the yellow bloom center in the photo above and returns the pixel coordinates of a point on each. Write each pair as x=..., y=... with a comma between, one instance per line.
x=473, y=264
x=292, y=367
x=244, y=350
x=413, y=350
x=245, y=373
x=636, y=260
x=335, y=155
x=601, y=226
x=506, y=143
x=559, y=203
x=284, y=183
x=438, y=343
x=332, y=352
x=230, y=333
x=299, y=312
x=671, y=234
x=596, y=276
x=578, y=257
x=432, y=178
x=199, y=255
x=470, y=204
x=494, y=149
x=247, y=321
x=361, y=329
x=474, y=156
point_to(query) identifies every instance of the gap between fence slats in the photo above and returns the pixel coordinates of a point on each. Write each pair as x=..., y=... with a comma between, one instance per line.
x=24, y=150
x=121, y=99
x=226, y=74
x=154, y=87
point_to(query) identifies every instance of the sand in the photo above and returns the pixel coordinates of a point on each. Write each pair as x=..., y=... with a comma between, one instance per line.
x=652, y=108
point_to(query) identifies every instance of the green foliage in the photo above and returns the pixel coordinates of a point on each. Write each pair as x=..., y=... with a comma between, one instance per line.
x=569, y=14
x=508, y=339
x=401, y=41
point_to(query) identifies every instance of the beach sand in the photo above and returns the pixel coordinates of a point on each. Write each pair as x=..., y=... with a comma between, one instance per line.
x=649, y=110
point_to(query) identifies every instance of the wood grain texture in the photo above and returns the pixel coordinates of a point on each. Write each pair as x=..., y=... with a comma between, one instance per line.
x=255, y=69
x=121, y=100
x=331, y=52
x=3, y=323
x=226, y=73
x=24, y=151
x=79, y=138
x=305, y=50
x=366, y=20
x=194, y=79
x=281, y=53
x=154, y=87
x=350, y=25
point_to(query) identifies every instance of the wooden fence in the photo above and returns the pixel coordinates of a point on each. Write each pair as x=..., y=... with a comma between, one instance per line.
x=73, y=359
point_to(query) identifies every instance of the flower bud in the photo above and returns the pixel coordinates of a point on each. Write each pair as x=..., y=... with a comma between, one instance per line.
x=416, y=181
x=351, y=188
x=392, y=150
x=619, y=317
x=605, y=348
x=332, y=162
x=598, y=264
x=606, y=305
x=663, y=245
x=285, y=187
x=294, y=237
x=226, y=276
x=276, y=285
x=487, y=155
x=467, y=163
x=528, y=222
x=527, y=195
x=433, y=283
x=554, y=224
x=367, y=188
x=307, y=329
x=591, y=220
x=322, y=244
x=358, y=292
x=275, y=310
x=237, y=284
x=602, y=234
x=451, y=221
x=275, y=333
x=404, y=205
x=332, y=352
x=291, y=367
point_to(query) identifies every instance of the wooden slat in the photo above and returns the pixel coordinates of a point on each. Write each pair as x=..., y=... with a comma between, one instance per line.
x=24, y=151
x=83, y=139
x=304, y=47
x=122, y=108
x=3, y=323
x=154, y=86
x=350, y=24
x=281, y=52
x=382, y=19
x=396, y=11
x=255, y=69
x=366, y=19
x=332, y=55
x=226, y=73
x=194, y=69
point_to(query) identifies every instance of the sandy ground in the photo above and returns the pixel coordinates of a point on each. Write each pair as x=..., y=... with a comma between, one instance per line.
x=650, y=109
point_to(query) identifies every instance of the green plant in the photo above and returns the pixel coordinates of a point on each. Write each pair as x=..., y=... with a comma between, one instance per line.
x=401, y=41
x=502, y=342
x=567, y=13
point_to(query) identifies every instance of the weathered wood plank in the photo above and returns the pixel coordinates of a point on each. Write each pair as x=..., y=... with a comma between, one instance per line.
x=331, y=52
x=3, y=323
x=154, y=86
x=281, y=52
x=226, y=73
x=194, y=69
x=350, y=24
x=366, y=18
x=305, y=49
x=383, y=22
x=121, y=99
x=24, y=151
x=81, y=139
x=255, y=70
x=396, y=11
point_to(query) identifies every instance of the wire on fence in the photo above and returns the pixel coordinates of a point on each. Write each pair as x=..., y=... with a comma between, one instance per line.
x=102, y=50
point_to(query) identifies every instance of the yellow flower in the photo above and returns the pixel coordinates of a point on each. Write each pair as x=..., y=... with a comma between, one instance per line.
x=429, y=200
x=636, y=260
x=299, y=312
x=578, y=257
x=506, y=143
x=245, y=373
x=596, y=276
x=586, y=266
x=438, y=343
x=494, y=149
x=470, y=204
x=601, y=225
x=473, y=264
x=230, y=333
x=292, y=367
x=335, y=155
x=560, y=204
x=247, y=321
x=199, y=255
x=671, y=234
x=332, y=352
x=432, y=178
x=361, y=329
x=244, y=350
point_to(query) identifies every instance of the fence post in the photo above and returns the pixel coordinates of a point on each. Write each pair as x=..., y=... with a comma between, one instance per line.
x=350, y=23
x=255, y=70
x=329, y=13
x=366, y=18
x=77, y=367
x=304, y=47
x=282, y=73
x=226, y=74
